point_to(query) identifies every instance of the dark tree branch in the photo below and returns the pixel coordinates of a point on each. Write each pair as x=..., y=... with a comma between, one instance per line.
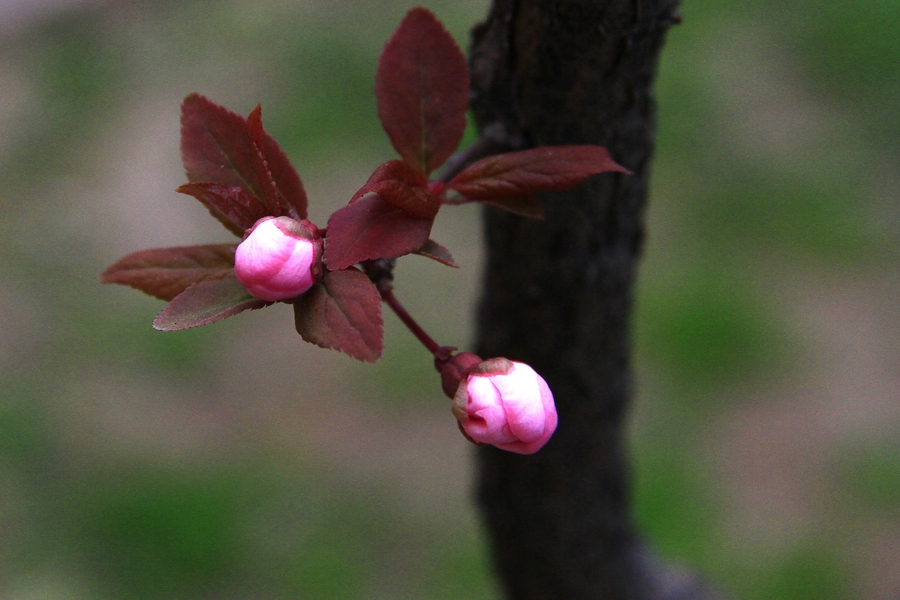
x=558, y=293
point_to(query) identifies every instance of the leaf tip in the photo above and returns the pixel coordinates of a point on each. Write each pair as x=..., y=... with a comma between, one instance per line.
x=422, y=90
x=160, y=324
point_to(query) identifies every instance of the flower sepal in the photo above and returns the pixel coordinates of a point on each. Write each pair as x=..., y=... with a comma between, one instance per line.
x=455, y=369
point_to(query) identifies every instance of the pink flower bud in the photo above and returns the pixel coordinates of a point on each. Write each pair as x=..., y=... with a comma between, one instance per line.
x=279, y=258
x=506, y=404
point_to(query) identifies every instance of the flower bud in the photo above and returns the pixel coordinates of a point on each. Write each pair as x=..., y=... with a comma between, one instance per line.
x=279, y=258
x=505, y=404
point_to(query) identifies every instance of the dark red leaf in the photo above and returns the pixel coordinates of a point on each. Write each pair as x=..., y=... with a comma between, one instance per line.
x=166, y=272
x=391, y=170
x=217, y=146
x=422, y=87
x=204, y=303
x=530, y=171
x=526, y=206
x=285, y=182
x=404, y=187
x=371, y=228
x=342, y=312
x=273, y=198
x=435, y=251
x=235, y=207
x=417, y=201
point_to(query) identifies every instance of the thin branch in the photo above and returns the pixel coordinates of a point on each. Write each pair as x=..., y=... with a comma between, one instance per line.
x=387, y=295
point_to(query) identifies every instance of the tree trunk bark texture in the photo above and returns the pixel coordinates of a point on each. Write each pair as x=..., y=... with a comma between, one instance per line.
x=558, y=293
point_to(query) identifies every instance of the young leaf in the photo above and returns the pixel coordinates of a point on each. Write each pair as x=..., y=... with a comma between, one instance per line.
x=206, y=302
x=271, y=194
x=392, y=170
x=166, y=272
x=526, y=206
x=217, y=146
x=422, y=88
x=404, y=187
x=342, y=312
x=415, y=200
x=371, y=228
x=285, y=182
x=233, y=206
x=530, y=171
x=435, y=251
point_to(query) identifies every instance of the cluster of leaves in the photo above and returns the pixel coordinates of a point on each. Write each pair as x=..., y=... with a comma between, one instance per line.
x=239, y=172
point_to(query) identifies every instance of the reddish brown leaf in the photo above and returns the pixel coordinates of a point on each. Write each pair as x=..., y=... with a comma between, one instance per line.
x=435, y=251
x=391, y=170
x=235, y=207
x=342, y=312
x=167, y=272
x=371, y=228
x=217, y=146
x=526, y=206
x=404, y=187
x=422, y=87
x=530, y=171
x=272, y=197
x=285, y=185
x=204, y=303
x=415, y=200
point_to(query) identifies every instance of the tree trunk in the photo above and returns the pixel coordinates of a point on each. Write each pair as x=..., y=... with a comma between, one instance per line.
x=558, y=293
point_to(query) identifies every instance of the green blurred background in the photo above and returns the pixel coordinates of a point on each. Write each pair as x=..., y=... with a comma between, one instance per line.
x=235, y=461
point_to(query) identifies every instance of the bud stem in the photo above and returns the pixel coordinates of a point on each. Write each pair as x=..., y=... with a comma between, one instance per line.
x=387, y=295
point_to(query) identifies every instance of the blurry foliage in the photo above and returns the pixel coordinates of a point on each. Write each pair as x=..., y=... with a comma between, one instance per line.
x=852, y=51
x=461, y=569
x=704, y=324
x=670, y=504
x=24, y=439
x=763, y=211
x=79, y=74
x=184, y=355
x=873, y=478
x=404, y=375
x=707, y=324
x=333, y=78
x=706, y=331
x=807, y=573
x=160, y=535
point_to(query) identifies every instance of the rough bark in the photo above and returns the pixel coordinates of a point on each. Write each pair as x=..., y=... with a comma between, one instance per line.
x=558, y=293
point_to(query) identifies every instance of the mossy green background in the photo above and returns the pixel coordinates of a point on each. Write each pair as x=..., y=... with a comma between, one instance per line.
x=235, y=461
